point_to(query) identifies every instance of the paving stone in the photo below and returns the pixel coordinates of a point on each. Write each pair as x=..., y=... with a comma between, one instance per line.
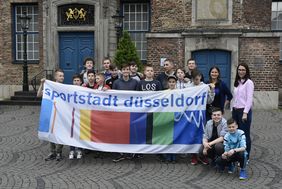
x=22, y=162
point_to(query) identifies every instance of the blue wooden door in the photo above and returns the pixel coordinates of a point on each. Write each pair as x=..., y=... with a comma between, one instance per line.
x=205, y=59
x=73, y=49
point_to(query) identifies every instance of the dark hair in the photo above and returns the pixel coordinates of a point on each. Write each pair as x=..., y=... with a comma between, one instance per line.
x=90, y=71
x=113, y=66
x=76, y=76
x=216, y=109
x=218, y=70
x=231, y=121
x=107, y=58
x=169, y=60
x=132, y=63
x=191, y=59
x=88, y=59
x=247, y=76
x=195, y=73
x=124, y=66
x=172, y=77
x=181, y=68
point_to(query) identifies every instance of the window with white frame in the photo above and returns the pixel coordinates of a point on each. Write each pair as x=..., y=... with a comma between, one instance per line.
x=136, y=22
x=32, y=33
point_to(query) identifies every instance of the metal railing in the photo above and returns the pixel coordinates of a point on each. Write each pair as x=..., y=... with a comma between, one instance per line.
x=48, y=74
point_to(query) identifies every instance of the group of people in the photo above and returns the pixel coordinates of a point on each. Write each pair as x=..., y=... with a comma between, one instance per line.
x=224, y=141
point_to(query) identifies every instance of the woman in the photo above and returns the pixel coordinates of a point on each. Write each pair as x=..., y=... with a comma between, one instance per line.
x=242, y=102
x=222, y=96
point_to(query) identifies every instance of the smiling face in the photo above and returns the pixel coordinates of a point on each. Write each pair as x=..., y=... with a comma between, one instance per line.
x=168, y=66
x=59, y=77
x=214, y=74
x=125, y=71
x=232, y=127
x=216, y=116
x=133, y=69
x=191, y=64
x=242, y=71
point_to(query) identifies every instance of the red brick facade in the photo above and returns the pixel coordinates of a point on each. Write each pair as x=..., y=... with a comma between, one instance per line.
x=262, y=55
x=172, y=48
x=11, y=74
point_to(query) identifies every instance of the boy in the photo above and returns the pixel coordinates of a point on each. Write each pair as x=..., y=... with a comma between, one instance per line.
x=149, y=84
x=163, y=77
x=88, y=65
x=91, y=80
x=214, y=132
x=125, y=83
x=114, y=75
x=76, y=80
x=234, y=150
x=171, y=158
x=133, y=71
x=191, y=64
x=100, y=82
x=56, y=149
x=106, y=65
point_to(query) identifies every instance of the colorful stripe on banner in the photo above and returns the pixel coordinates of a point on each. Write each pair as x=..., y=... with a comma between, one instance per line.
x=54, y=117
x=162, y=128
x=45, y=115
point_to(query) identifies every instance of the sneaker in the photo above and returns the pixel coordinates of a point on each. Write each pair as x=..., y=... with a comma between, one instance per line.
x=71, y=155
x=204, y=160
x=59, y=157
x=243, y=174
x=194, y=160
x=78, y=154
x=231, y=168
x=120, y=158
x=50, y=157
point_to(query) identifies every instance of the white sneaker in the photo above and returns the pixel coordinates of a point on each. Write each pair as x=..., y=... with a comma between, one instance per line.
x=71, y=155
x=79, y=154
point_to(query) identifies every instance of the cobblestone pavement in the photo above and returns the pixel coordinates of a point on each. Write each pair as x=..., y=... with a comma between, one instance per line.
x=22, y=162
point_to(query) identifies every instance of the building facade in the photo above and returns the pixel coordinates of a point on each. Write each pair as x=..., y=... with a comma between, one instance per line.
x=214, y=32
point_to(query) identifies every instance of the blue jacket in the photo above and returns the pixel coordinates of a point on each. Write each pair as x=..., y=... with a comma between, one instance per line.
x=235, y=140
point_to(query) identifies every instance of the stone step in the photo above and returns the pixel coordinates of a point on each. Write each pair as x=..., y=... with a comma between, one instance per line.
x=26, y=98
x=21, y=102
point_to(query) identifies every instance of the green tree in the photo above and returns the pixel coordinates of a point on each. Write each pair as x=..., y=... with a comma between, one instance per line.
x=126, y=52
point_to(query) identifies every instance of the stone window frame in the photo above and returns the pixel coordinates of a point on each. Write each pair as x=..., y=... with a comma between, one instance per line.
x=274, y=12
x=212, y=22
x=138, y=36
x=33, y=52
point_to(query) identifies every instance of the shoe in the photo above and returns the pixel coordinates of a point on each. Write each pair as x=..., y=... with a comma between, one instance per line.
x=243, y=174
x=120, y=158
x=194, y=160
x=59, y=157
x=71, y=155
x=204, y=160
x=130, y=156
x=50, y=157
x=231, y=168
x=78, y=154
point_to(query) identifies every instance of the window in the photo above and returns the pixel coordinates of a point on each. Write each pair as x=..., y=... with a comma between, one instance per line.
x=136, y=22
x=276, y=16
x=276, y=20
x=32, y=34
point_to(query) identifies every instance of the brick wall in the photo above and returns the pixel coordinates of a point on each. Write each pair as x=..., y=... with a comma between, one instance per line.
x=176, y=15
x=12, y=73
x=172, y=48
x=262, y=56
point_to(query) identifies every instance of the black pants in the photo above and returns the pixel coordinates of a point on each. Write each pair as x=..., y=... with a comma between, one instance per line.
x=216, y=151
x=238, y=156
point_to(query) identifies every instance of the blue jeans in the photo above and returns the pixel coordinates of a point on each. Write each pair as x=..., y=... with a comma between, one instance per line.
x=245, y=126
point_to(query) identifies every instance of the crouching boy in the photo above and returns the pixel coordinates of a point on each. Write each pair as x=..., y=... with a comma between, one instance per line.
x=214, y=132
x=234, y=150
